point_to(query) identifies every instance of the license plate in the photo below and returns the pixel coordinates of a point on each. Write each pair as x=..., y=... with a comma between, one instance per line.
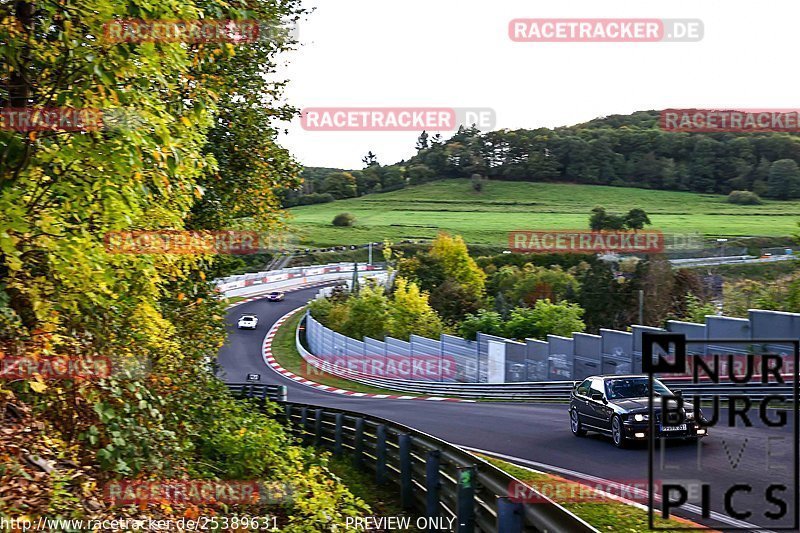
x=682, y=427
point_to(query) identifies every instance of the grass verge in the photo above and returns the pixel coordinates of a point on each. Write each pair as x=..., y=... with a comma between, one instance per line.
x=285, y=353
x=381, y=498
x=233, y=300
x=605, y=515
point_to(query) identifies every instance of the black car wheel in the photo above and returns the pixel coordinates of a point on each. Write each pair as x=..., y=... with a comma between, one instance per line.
x=616, y=432
x=575, y=424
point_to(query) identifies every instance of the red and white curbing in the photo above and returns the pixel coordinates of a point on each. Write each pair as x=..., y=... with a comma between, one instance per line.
x=266, y=350
x=290, y=289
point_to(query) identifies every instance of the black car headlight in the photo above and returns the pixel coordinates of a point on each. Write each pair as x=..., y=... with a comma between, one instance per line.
x=640, y=417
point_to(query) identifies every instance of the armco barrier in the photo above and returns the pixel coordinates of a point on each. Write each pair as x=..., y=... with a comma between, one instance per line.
x=554, y=391
x=260, y=391
x=433, y=478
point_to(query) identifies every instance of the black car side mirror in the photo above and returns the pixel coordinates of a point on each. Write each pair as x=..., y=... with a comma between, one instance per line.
x=678, y=393
x=598, y=396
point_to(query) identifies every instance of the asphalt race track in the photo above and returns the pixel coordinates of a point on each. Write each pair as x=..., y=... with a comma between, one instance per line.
x=539, y=434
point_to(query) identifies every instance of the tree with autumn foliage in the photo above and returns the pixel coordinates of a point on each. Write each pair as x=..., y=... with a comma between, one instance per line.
x=188, y=142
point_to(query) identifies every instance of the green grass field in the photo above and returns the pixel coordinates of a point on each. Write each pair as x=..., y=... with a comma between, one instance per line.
x=486, y=218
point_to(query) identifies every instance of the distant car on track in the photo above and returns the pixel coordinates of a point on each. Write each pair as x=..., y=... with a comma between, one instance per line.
x=276, y=296
x=247, y=322
x=618, y=406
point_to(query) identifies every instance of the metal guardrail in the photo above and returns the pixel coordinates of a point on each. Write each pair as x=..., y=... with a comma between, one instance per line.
x=260, y=391
x=526, y=391
x=434, y=478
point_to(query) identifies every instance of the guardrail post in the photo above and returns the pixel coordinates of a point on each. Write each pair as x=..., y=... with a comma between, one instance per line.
x=303, y=422
x=509, y=515
x=287, y=409
x=358, y=443
x=317, y=426
x=432, y=484
x=406, y=494
x=283, y=393
x=337, y=446
x=264, y=391
x=465, y=499
x=380, y=454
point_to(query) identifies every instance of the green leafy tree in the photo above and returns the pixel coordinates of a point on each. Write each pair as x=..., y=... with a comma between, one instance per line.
x=696, y=309
x=410, y=312
x=636, y=219
x=537, y=283
x=421, y=173
x=367, y=314
x=452, y=254
x=550, y=319
x=485, y=321
x=452, y=301
x=64, y=293
x=340, y=185
x=784, y=180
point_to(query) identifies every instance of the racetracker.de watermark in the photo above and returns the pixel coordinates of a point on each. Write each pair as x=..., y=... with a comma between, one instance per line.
x=396, y=118
x=610, y=30
x=195, y=31
x=197, y=492
x=232, y=242
x=565, y=491
x=423, y=367
x=77, y=119
x=582, y=241
x=54, y=367
x=730, y=120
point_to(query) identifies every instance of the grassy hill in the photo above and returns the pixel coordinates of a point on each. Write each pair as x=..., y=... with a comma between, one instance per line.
x=488, y=216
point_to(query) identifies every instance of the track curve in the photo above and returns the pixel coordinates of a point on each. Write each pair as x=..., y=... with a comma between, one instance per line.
x=531, y=432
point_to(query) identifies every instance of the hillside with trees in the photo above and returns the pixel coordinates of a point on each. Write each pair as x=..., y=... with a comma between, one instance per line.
x=618, y=150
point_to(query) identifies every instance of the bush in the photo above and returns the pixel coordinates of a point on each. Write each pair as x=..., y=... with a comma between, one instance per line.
x=743, y=198
x=343, y=219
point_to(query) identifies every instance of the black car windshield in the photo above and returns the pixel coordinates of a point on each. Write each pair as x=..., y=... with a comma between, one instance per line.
x=633, y=388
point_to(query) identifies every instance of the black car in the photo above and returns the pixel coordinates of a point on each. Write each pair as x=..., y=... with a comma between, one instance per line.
x=618, y=406
x=276, y=296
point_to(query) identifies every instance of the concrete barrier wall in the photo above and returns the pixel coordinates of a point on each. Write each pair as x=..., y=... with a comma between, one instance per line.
x=261, y=282
x=560, y=358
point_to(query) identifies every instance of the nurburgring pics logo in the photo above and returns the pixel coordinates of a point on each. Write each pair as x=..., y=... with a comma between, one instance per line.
x=395, y=118
x=584, y=241
x=751, y=472
x=730, y=120
x=605, y=30
x=230, y=242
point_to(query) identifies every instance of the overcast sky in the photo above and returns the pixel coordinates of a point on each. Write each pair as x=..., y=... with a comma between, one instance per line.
x=457, y=53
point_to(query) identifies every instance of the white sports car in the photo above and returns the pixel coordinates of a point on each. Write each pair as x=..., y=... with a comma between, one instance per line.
x=248, y=322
